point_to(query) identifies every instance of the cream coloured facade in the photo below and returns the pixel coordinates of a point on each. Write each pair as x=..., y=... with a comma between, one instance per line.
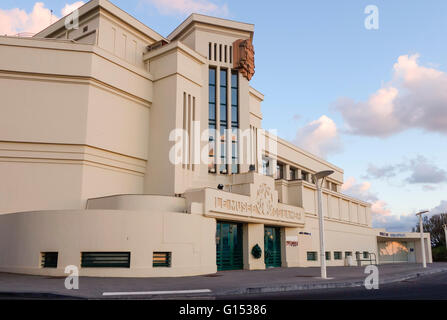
x=87, y=141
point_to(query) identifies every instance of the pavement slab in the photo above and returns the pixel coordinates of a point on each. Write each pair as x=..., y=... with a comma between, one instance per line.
x=237, y=282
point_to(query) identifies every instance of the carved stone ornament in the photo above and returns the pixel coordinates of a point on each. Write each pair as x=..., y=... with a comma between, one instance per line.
x=244, y=57
x=264, y=199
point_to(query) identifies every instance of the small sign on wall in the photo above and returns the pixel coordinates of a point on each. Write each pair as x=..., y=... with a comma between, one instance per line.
x=292, y=241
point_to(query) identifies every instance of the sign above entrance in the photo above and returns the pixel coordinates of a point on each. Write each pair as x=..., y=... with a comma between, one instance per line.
x=261, y=209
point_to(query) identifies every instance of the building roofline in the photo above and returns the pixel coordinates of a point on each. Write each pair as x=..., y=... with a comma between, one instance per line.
x=110, y=7
x=221, y=22
x=304, y=152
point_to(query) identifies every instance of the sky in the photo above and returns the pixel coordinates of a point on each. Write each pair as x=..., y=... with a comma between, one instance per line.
x=372, y=101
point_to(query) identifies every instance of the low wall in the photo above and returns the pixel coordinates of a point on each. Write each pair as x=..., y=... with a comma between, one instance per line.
x=190, y=239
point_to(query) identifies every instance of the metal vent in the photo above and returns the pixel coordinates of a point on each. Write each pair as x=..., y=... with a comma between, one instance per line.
x=105, y=260
x=161, y=259
x=49, y=259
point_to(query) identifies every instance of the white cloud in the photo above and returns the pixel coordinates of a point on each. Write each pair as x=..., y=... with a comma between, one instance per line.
x=415, y=98
x=441, y=208
x=69, y=8
x=186, y=7
x=319, y=137
x=16, y=20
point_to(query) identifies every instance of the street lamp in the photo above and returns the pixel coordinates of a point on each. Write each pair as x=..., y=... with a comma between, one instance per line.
x=321, y=175
x=421, y=229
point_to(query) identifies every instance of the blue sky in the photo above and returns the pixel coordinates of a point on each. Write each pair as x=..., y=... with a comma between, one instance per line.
x=316, y=58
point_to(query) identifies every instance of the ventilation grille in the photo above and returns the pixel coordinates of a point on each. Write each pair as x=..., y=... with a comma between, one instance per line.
x=161, y=259
x=49, y=259
x=105, y=260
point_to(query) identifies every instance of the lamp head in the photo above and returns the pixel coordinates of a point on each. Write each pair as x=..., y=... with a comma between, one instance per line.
x=323, y=174
x=421, y=213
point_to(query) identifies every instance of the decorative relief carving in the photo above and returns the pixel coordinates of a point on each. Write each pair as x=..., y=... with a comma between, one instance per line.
x=264, y=199
x=244, y=57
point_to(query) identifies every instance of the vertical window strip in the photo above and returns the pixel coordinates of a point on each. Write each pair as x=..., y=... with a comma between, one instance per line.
x=209, y=51
x=235, y=120
x=223, y=119
x=220, y=52
x=231, y=54
x=225, y=52
x=212, y=120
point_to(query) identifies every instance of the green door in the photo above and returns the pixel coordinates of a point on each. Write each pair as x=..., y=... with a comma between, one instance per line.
x=229, y=246
x=272, y=247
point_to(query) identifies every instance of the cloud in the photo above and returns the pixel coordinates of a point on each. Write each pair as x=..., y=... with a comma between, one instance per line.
x=415, y=98
x=69, y=8
x=16, y=20
x=404, y=222
x=441, y=208
x=319, y=137
x=376, y=172
x=422, y=171
x=185, y=7
x=363, y=192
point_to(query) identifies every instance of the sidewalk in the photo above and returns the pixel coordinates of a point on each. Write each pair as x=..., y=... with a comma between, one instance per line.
x=222, y=283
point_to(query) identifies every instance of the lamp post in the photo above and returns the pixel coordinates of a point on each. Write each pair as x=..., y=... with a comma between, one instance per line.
x=421, y=228
x=321, y=175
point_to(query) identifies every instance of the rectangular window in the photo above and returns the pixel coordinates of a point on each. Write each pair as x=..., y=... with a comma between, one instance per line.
x=348, y=254
x=231, y=54
x=105, y=259
x=265, y=166
x=220, y=52
x=161, y=259
x=223, y=120
x=49, y=259
x=365, y=255
x=279, y=171
x=328, y=255
x=304, y=175
x=311, y=256
x=212, y=121
x=337, y=255
x=209, y=50
x=234, y=121
x=292, y=174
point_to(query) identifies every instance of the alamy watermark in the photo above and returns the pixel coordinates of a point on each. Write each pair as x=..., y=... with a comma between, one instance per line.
x=72, y=280
x=72, y=20
x=372, y=20
x=372, y=280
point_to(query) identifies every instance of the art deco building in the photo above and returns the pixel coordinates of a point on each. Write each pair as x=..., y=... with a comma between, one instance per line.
x=127, y=153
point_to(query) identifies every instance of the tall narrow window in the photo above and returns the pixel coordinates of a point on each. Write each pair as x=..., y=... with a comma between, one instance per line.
x=234, y=122
x=212, y=121
x=209, y=50
x=223, y=121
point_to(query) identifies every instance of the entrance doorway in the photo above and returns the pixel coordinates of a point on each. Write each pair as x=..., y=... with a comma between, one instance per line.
x=272, y=247
x=229, y=246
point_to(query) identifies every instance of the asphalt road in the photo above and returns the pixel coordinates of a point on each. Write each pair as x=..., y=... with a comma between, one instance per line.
x=431, y=287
